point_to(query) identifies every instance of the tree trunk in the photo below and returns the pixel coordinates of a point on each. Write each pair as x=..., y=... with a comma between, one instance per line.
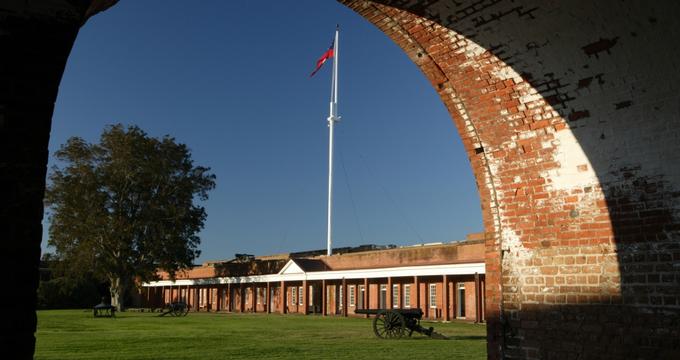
x=117, y=290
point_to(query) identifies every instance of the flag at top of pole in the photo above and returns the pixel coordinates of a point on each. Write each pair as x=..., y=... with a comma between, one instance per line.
x=333, y=117
x=322, y=60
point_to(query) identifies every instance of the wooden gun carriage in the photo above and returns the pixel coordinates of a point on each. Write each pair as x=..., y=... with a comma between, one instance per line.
x=175, y=309
x=395, y=323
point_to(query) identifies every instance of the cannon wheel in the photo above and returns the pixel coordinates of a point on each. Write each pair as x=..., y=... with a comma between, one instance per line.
x=389, y=324
x=180, y=310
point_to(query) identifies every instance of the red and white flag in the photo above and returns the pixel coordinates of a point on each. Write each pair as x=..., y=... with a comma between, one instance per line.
x=327, y=55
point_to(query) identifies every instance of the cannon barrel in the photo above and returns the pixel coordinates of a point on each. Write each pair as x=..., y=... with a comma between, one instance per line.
x=406, y=312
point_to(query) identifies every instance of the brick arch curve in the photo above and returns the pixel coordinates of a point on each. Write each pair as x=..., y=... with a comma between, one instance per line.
x=573, y=163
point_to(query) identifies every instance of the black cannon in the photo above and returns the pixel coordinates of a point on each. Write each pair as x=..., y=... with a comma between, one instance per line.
x=175, y=309
x=395, y=323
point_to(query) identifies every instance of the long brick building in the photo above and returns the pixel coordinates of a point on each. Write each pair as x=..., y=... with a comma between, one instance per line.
x=445, y=280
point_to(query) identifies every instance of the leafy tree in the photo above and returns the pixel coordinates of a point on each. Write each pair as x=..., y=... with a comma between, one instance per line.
x=66, y=292
x=125, y=207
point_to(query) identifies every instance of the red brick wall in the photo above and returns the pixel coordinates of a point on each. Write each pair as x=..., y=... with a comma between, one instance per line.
x=218, y=297
x=199, y=272
x=430, y=313
x=276, y=301
x=571, y=132
x=294, y=307
x=463, y=252
x=469, y=300
x=472, y=251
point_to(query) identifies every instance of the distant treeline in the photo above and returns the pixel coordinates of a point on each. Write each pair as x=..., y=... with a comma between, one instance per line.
x=58, y=290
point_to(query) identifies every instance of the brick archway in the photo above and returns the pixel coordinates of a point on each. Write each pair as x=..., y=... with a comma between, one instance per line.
x=569, y=116
x=574, y=150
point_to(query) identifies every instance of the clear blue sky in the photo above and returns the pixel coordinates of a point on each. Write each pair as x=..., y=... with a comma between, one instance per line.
x=231, y=80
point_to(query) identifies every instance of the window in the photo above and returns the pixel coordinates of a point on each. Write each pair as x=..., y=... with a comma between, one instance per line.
x=340, y=294
x=362, y=296
x=351, y=295
x=460, y=294
x=407, y=296
x=259, y=295
x=294, y=301
x=395, y=296
x=433, y=295
x=301, y=298
x=383, y=296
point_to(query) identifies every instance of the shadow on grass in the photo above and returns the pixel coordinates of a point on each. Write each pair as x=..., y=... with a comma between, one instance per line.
x=468, y=337
x=444, y=337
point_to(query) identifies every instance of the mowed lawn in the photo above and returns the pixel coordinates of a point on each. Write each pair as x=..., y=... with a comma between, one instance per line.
x=75, y=334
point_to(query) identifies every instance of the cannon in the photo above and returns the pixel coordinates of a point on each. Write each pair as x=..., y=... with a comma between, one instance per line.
x=395, y=323
x=175, y=309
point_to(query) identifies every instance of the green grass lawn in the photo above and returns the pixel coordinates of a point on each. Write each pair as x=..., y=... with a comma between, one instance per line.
x=75, y=334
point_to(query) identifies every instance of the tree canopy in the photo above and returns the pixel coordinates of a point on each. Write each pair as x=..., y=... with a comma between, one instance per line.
x=126, y=207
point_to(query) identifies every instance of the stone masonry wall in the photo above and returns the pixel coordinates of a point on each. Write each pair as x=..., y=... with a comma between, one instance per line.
x=569, y=114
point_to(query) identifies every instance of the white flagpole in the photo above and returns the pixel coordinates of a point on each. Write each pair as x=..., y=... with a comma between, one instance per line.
x=332, y=118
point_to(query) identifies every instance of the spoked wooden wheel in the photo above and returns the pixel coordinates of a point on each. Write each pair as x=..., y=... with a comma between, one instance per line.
x=389, y=325
x=179, y=310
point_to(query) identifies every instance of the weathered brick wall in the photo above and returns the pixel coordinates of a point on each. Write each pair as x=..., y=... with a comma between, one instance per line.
x=463, y=252
x=569, y=114
x=35, y=40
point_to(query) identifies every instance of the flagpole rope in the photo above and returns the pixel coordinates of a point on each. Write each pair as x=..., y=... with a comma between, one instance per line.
x=351, y=197
x=400, y=211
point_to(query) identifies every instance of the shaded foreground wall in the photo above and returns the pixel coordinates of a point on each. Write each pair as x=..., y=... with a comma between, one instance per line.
x=35, y=41
x=569, y=112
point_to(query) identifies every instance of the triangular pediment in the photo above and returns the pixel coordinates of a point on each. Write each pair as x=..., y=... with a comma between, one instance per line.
x=291, y=268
